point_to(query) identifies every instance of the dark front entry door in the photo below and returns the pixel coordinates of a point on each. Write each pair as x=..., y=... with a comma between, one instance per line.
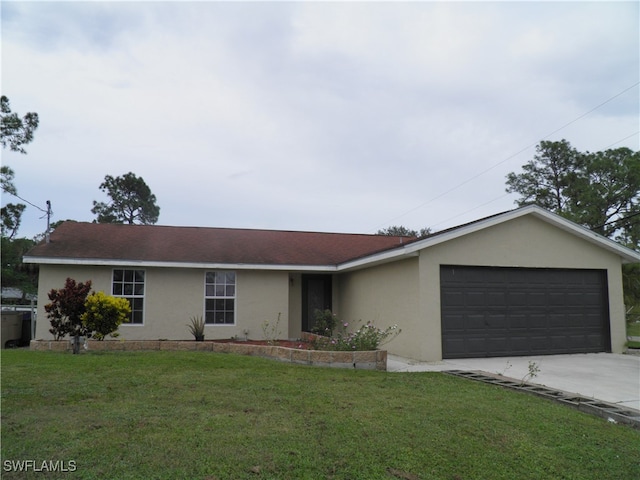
x=316, y=295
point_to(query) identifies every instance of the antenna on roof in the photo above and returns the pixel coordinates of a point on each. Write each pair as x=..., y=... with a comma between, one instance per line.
x=49, y=213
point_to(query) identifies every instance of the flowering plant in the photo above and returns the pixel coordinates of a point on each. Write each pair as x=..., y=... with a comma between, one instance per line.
x=367, y=337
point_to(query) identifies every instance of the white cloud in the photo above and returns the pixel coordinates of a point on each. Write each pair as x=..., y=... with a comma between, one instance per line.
x=318, y=116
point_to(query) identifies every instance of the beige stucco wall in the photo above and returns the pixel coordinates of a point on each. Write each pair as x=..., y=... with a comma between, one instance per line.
x=54, y=276
x=523, y=242
x=295, y=305
x=404, y=292
x=174, y=295
x=385, y=295
x=408, y=291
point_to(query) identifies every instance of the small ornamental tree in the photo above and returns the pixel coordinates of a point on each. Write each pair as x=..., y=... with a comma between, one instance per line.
x=104, y=314
x=66, y=309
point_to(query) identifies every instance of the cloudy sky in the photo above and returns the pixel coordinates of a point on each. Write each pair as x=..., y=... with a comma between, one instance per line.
x=339, y=116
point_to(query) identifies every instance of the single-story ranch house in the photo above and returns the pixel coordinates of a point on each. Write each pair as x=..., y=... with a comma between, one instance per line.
x=523, y=282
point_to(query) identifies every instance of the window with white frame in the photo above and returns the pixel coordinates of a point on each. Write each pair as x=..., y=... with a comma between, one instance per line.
x=220, y=298
x=129, y=284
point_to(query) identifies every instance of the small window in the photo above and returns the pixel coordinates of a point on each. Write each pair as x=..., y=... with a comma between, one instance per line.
x=220, y=298
x=129, y=284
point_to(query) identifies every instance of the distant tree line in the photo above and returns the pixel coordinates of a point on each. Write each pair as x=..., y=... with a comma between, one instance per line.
x=400, y=231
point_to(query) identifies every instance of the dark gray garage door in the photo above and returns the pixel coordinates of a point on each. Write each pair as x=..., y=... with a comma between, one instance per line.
x=493, y=312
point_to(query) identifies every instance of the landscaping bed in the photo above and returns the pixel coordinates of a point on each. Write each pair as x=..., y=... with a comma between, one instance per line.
x=298, y=344
x=282, y=350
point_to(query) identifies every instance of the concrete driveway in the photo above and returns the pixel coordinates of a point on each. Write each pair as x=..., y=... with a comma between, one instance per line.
x=609, y=377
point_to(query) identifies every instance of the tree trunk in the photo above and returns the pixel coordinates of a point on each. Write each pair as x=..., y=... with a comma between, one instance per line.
x=76, y=344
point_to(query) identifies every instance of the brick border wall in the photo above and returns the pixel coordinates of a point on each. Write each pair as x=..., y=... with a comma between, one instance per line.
x=370, y=360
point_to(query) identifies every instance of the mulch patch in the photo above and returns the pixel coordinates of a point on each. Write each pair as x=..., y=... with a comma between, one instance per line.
x=299, y=344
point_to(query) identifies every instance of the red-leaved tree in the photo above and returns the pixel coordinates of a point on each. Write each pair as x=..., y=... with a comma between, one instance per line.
x=66, y=309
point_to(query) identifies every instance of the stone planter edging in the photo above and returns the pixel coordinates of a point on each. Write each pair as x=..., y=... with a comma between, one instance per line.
x=369, y=360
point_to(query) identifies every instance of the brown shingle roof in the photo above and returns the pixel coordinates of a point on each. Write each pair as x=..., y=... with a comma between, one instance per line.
x=146, y=243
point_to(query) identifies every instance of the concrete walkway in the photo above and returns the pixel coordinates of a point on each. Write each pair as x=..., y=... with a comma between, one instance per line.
x=610, y=377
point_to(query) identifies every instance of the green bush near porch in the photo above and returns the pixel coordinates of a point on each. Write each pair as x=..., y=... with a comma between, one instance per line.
x=199, y=415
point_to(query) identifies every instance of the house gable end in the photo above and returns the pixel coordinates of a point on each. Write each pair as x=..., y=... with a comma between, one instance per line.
x=627, y=255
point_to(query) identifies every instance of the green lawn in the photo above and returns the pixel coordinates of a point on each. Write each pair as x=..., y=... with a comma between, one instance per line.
x=633, y=329
x=197, y=415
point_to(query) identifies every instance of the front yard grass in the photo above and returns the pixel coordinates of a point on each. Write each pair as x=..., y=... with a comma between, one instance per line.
x=633, y=329
x=197, y=415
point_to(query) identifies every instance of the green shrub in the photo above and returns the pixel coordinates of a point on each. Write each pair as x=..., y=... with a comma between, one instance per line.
x=104, y=314
x=196, y=327
x=367, y=337
x=325, y=322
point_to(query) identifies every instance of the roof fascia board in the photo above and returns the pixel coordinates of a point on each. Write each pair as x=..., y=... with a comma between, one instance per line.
x=376, y=259
x=98, y=262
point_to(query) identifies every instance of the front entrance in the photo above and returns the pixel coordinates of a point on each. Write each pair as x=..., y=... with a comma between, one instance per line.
x=316, y=295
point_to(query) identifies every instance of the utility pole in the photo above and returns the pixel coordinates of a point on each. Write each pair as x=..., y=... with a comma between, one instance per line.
x=49, y=212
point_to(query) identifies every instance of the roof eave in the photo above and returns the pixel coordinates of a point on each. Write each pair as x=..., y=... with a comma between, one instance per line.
x=626, y=254
x=106, y=262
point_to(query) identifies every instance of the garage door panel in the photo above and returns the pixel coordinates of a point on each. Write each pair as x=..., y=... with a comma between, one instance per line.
x=475, y=322
x=537, y=299
x=588, y=322
x=453, y=299
x=489, y=311
x=516, y=298
x=589, y=299
x=518, y=322
x=557, y=278
x=576, y=299
x=558, y=298
x=476, y=345
x=499, y=345
x=456, y=347
x=496, y=322
x=497, y=299
x=454, y=323
x=537, y=321
x=595, y=341
x=559, y=342
x=562, y=320
x=520, y=345
x=539, y=343
x=569, y=321
x=475, y=299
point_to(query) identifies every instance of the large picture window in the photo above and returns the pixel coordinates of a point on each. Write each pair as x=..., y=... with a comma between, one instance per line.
x=220, y=297
x=129, y=284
